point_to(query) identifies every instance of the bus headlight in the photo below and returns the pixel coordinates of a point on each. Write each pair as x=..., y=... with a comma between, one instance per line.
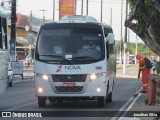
x=40, y=90
x=98, y=90
x=45, y=77
x=93, y=76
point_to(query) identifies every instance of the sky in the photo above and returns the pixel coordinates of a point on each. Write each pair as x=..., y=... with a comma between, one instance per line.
x=26, y=6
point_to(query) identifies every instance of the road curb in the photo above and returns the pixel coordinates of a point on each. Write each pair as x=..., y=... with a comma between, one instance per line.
x=125, y=76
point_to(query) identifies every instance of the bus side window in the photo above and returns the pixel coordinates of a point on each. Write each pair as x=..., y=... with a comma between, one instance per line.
x=110, y=46
x=3, y=34
x=4, y=27
x=107, y=50
x=1, y=40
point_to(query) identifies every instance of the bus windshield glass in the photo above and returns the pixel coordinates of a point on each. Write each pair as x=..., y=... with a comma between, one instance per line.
x=76, y=44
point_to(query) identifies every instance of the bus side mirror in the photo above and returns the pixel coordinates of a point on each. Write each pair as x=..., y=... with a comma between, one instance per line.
x=110, y=38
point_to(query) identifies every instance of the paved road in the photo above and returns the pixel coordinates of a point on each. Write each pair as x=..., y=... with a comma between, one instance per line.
x=21, y=97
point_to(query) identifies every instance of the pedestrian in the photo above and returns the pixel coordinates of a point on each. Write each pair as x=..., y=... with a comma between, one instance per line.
x=155, y=66
x=27, y=62
x=145, y=72
x=30, y=59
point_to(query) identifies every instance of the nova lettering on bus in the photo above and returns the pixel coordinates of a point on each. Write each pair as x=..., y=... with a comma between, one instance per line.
x=72, y=67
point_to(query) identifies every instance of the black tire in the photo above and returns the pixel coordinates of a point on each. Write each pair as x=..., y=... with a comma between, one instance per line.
x=41, y=101
x=109, y=98
x=101, y=101
x=146, y=101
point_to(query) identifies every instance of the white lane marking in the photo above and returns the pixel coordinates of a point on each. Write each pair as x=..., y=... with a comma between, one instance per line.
x=122, y=109
x=124, y=106
x=20, y=106
x=129, y=107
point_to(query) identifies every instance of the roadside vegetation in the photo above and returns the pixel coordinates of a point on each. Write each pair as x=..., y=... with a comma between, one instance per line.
x=141, y=48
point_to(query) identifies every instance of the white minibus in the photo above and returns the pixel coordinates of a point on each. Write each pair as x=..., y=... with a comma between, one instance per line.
x=75, y=59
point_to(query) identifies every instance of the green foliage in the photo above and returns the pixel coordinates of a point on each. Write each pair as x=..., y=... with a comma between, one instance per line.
x=140, y=16
x=142, y=48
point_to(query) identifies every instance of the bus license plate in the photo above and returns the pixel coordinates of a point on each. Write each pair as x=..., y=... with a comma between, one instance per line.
x=69, y=84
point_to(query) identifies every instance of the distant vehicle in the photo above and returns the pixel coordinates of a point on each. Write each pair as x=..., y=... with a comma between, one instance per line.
x=10, y=76
x=118, y=61
x=64, y=71
x=131, y=59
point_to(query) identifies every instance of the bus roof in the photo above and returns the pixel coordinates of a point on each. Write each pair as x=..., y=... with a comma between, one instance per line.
x=77, y=19
x=55, y=24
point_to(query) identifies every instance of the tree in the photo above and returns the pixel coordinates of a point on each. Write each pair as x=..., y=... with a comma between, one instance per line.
x=147, y=26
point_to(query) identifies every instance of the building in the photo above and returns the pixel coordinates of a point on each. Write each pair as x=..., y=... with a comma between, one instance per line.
x=23, y=46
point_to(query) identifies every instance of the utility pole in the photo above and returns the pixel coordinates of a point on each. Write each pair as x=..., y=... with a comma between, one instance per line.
x=125, y=41
x=30, y=28
x=82, y=8
x=87, y=8
x=53, y=9
x=30, y=32
x=101, y=9
x=43, y=15
x=111, y=16
x=121, y=41
x=75, y=8
x=13, y=31
x=136, y=50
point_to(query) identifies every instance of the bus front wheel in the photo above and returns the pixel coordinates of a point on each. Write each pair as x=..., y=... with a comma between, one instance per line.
x=41, y=101
x=101, y=101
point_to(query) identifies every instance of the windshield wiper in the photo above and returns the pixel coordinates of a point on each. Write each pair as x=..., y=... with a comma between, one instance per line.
x=56, y=56
x=84, y=57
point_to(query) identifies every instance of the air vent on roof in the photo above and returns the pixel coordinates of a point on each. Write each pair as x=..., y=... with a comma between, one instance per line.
x=78, y=18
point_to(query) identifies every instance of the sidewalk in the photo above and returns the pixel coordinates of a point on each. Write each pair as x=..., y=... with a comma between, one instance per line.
x=145, y=108
x=138, y=106
x=130, y=72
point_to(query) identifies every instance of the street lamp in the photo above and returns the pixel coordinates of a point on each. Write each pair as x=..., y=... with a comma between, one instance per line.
x=121, y=41
x=53, y=9
x=43, y=14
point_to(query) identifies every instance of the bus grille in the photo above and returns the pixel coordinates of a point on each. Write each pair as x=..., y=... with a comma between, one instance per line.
x=69, y=78
x=69, y=89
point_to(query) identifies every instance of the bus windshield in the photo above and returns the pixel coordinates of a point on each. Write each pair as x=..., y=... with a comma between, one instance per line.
x=76, y=44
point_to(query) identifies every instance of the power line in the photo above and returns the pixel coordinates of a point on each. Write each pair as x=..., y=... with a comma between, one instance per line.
x=117, y=2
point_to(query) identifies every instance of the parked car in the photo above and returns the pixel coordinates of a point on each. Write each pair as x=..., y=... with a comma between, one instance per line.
x=118, y=61
x=131, y=61
x=10, y=76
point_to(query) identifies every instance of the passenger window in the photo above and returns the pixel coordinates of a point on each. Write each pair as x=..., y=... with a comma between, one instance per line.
x=110, y=48
x=107, y=50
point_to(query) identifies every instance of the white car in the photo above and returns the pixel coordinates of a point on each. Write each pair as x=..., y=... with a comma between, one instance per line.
x=10, y=76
